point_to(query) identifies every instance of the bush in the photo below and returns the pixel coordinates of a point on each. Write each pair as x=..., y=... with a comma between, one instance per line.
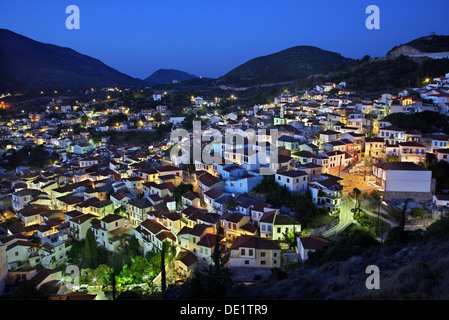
x=292, y=265
x=418, y=212
x=439, y=228
x=355, y=240
x=278, y=274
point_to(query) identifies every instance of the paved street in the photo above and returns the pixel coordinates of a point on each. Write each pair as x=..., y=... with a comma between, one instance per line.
x=351, y=181
x=345, y=219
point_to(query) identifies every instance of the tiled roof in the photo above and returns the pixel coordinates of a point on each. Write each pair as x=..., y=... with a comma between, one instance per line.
x=247, y=241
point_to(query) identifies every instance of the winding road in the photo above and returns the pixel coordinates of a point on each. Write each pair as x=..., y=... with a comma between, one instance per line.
x=346, y=217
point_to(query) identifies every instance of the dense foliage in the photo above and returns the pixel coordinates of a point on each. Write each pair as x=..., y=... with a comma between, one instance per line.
x=301, y=203
x=208, y=283
x=36, y=156
x=426, y=121
x=355, y=240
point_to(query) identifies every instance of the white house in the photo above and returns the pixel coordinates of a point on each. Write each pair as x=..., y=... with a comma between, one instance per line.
x=403, y=180
x=112, y=232
x=251, y=251
x=82, y=148
x=441, y=200
x=294, y=180
x=309, y=243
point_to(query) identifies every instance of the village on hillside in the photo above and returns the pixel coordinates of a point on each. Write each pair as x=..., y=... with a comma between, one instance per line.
x=72, y=196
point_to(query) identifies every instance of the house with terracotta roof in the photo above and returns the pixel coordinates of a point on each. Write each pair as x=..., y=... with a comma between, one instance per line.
x=251, y=251
x=185, y=262
x=206, y=181
x=438, y=141
x=247, y=206
x=206, y=247
x=112, y=232
x=162, y=189
x=70, y=188
x=79, y=226
x=54, y=250
x=442, y=154
x=151, y=234
x=190, y=198
x=134, y=184
x=309, y=243
x=148, y=174
x=22, y=197
x=101, y=208
x=32, y=215
x=392, y=134
x=234, y=224
x=374, y=147
x=169, y=219
x=211, y=198
x=327, y=193
x=283, y=224
x=22, y=251
x=120, y=199
x=412, y=151
x=191, y=214
x=137, y=210
x=188, y=237
x=68, y=202
x=293, y=180
x=232, y=172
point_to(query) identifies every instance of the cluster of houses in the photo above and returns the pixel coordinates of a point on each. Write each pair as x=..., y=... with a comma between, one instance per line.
x=124, y=191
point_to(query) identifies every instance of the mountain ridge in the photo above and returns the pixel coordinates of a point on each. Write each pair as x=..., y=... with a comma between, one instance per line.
x=30, y=65
x=162, y=76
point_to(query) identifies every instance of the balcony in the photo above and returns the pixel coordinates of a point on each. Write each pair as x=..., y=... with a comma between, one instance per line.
x=330, y=195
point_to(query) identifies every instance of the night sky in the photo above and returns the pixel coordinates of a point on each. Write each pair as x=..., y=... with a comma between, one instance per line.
x=209, y=38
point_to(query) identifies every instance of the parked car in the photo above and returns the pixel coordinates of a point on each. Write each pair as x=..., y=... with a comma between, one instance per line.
x=84, y=288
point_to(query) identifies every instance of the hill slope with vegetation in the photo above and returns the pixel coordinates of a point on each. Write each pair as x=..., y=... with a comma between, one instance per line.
x=429, y=44
x=381, y=75
x=284, y=66
x=412, y=268
x=426, y=121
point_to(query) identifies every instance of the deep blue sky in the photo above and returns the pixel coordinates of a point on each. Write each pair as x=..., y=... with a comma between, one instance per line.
x=209, y=38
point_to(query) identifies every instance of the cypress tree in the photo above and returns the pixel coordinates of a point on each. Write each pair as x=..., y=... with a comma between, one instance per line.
x=163, y=279
x=90, y=250
x=216, y=255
